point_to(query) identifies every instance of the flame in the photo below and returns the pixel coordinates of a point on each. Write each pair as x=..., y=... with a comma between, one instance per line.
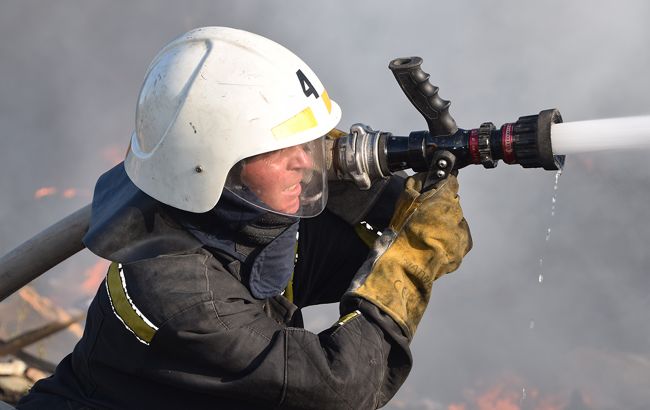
x=45, y=191
x=70, y=193
x=47, y=309
x=508, y=395
x=94, y=276
x=499, y=397
x=67, y=193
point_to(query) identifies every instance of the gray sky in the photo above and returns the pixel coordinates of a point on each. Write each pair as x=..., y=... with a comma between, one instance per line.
x=70, y=73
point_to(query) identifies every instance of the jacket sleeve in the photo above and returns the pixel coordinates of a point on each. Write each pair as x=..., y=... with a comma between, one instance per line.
x=227, y=346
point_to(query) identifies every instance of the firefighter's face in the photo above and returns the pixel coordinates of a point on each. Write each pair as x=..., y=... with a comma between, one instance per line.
x=275, y=177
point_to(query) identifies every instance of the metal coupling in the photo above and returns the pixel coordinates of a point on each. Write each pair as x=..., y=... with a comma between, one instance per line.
x=484, y=148
x=356, y=156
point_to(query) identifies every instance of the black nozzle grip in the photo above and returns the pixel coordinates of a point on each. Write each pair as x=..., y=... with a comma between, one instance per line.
x=423, y=95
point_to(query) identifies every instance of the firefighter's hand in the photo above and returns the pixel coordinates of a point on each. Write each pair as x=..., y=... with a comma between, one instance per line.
x=427, y=238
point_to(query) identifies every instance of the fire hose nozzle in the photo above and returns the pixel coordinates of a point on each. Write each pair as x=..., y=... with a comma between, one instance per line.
x=526, y=142
x=366, y=155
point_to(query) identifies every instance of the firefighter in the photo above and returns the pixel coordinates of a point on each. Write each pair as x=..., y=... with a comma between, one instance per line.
x=218, y=227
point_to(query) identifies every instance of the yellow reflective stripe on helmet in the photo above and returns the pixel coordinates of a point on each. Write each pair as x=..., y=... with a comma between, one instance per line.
x=327, y=101
x=300, y=122
x=124, y=308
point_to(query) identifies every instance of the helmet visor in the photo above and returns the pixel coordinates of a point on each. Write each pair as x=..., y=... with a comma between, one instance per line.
x=289, y=181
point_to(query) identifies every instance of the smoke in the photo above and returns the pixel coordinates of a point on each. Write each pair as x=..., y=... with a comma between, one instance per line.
x=70, y=74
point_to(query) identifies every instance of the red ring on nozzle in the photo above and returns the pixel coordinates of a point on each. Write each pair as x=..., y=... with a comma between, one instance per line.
x=507, y=143
x=473, y=146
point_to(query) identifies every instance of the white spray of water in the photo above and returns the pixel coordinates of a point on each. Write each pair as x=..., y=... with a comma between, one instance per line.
x=600, y=135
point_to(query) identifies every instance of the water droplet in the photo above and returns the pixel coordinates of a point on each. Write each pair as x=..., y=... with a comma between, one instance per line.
x=540, y=277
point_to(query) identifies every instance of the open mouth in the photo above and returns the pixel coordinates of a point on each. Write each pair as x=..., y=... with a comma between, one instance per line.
x=294, y=189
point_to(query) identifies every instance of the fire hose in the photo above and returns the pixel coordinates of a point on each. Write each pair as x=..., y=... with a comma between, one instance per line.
x=362, y=156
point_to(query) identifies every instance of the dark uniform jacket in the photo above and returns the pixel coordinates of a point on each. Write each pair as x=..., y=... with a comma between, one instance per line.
x=190, y=315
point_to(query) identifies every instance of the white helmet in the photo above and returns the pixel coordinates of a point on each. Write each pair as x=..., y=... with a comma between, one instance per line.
x=214, y=97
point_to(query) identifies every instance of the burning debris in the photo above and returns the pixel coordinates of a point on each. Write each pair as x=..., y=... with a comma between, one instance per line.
x=28, y=318
x=36, y=309
x=506, y=395
x=13, y=380
x=19, y=369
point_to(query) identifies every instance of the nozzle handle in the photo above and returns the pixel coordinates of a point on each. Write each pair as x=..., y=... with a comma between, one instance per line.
x=423, y=95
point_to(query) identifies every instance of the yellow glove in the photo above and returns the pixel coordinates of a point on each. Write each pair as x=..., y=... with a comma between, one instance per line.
x=427, y=238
